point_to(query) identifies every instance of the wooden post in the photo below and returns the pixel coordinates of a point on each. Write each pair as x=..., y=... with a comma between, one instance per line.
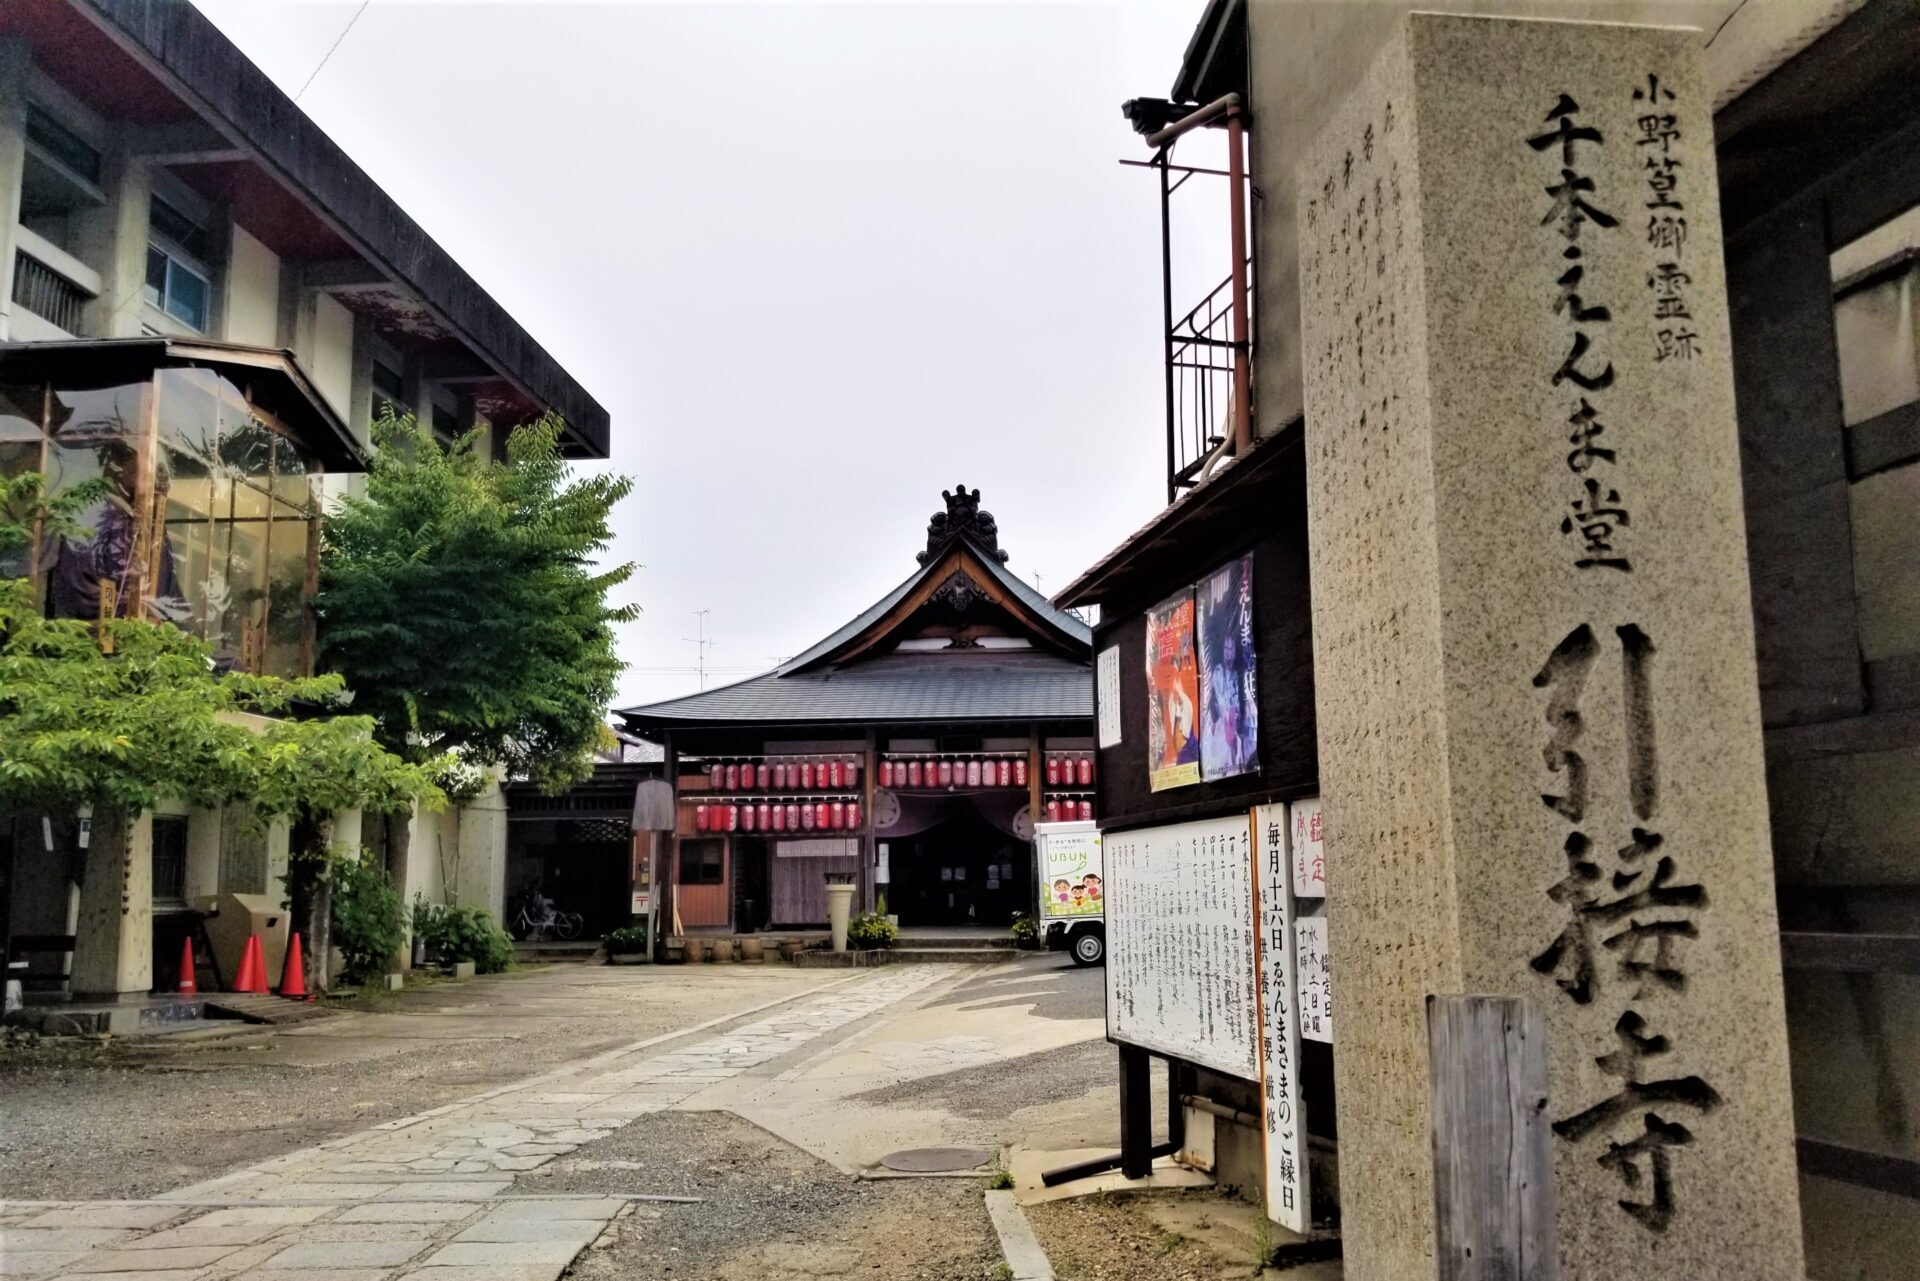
x=1493, y=1198
x=1136, y=1113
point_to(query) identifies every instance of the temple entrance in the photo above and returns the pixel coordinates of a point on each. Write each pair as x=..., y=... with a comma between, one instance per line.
x=962, y=871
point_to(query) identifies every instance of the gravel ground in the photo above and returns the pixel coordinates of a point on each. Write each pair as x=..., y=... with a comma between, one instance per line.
x=769, y=1212
x=124, y=1119
x=1104, y=1238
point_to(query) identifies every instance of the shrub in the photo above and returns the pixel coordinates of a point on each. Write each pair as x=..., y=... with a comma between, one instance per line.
x=627, y=940
x=465, y=934
x=871, y=930
x=1026, y=930
x=368, y=918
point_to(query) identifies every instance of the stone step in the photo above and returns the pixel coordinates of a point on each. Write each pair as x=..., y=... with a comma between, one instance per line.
x=905, y=956
x=947, y=942
x=538, y=953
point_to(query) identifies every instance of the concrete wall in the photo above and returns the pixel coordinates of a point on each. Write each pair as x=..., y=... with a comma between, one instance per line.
x=252, y=292
x=1306, y=58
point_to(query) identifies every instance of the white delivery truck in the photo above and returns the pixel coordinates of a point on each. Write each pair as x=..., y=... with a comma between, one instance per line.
x=1066, y=862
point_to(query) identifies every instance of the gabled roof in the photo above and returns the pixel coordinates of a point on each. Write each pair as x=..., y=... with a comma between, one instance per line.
x=962, y=556
x=856, y=675
x=948, y=685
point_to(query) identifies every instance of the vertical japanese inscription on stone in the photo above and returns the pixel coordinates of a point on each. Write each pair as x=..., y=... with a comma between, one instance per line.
x=1539, y=736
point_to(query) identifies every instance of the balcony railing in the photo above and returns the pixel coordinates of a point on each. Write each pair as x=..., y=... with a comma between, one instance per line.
x=1202, y=360
x=47, y=294
x=1209, y=348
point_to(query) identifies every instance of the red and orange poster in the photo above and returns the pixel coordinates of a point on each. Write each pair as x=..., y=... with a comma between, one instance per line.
x=1173, y=695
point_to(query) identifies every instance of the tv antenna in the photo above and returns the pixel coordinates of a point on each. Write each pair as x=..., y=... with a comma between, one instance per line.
x=701, y=645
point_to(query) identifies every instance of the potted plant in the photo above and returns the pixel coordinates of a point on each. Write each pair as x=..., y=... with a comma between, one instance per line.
x=627, y=945
x=1026, y=931
x=871, y=931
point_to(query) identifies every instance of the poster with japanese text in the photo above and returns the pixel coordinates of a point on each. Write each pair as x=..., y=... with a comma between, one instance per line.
x=1069, y=865
x=1283, y=1122
x=1229, y=707
x=1179, y=922
x=1173, y=695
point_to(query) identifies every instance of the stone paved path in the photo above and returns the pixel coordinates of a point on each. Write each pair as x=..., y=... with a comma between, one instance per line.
x=430, y=1196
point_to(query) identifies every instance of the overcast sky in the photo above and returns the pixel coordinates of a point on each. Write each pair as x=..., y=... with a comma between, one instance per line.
x=819, y=262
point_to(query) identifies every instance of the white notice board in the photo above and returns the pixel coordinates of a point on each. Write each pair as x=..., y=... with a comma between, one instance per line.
x=1313, y=975
x=1179, y=913
x=1283, y=1118
x=1106, y=695
x=1309, y=850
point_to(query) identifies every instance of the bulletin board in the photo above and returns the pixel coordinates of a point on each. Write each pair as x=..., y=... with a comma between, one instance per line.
x=1179, y=925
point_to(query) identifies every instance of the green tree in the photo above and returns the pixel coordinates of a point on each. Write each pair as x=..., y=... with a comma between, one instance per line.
x=460, y=599
x=120, y=715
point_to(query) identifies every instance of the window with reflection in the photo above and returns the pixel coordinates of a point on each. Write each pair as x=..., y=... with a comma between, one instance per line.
x=210, y=521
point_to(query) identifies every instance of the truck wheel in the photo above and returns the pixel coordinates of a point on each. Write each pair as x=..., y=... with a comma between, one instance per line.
x=1089, y=948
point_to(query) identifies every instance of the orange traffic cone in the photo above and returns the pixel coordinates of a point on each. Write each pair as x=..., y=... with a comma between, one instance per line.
x=252, y=975
x=187, y=986
x=293, y=979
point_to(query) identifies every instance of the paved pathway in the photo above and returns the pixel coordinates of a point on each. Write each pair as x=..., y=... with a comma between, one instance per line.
x=429, y=1196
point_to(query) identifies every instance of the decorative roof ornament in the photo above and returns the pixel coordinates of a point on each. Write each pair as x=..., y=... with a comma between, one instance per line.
x=962, y=519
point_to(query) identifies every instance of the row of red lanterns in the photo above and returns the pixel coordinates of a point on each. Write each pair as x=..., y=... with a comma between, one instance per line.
x=1059, y=811
x=783, y=776
x=954, y=773
x=1061, y=771
x=808, y=816
x=1067, y=771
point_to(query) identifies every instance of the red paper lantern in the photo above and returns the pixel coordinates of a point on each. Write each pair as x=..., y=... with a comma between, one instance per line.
x=793, y=818
x=746, y=818
x=779, y=817
x=1086, y=811
x=806, y=818
x=886, y=773
x=733, y=818
x=1019, y=771
x=853, y=774
x=973, y=773
x=730, y=778
x=1053, y=771
x=699, y=818
x=820, y=815
x=853, y=814
x=1053, y=811
x=836, y=774
x=1086, y=771
x=945, y=774
x=763, y=776
x=839, y=816
x=716, y=776
x=1004, y=769
x=914, y=774
x=806, y=775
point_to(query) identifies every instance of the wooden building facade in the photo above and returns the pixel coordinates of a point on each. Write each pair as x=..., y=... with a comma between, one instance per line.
x=910, y=751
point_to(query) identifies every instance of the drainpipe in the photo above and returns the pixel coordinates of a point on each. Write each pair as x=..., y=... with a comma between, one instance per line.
x=1228, y=107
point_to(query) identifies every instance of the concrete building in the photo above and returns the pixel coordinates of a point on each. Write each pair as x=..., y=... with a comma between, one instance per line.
x=1814, y=113
x=208, y=303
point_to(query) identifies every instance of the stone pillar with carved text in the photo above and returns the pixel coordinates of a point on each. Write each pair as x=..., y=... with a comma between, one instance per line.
x=1533, y=648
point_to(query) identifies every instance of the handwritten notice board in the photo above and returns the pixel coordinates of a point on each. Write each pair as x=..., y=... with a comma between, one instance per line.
x=1180, y=943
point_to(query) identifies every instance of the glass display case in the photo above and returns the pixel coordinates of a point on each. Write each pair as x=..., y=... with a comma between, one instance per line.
x=211, y=517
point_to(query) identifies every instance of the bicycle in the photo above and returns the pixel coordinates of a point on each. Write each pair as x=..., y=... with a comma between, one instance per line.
x=566, y=926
